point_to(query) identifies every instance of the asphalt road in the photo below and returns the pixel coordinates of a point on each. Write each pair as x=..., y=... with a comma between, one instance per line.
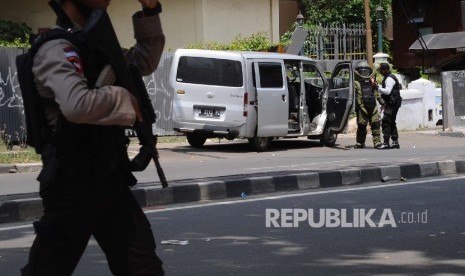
x=424, y=234
x=235, y=157
x=225, y=158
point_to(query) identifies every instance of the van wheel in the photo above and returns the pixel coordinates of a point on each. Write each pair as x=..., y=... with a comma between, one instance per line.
x=328, y=139
x=260, y=143
x=195, y=140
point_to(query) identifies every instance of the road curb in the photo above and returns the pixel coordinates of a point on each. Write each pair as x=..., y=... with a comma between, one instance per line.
x=6, y=168
x=200, y=190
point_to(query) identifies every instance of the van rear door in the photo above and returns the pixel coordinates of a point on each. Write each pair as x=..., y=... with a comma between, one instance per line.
x=340, y=96
x=209, y=91
x=272, y=98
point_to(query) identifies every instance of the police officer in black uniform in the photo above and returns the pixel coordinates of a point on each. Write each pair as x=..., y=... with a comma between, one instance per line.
x=390, y=92
x=86, y=170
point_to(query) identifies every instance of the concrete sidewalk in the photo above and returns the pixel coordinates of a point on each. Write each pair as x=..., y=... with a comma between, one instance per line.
x=23, y=203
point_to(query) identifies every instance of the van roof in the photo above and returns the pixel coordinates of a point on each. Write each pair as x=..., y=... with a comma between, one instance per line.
x=239, y=54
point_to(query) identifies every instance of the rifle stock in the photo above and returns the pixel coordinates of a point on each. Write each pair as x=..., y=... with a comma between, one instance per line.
x=100, y=35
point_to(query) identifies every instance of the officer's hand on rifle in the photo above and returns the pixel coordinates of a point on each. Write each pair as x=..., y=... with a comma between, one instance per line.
x=150, y=4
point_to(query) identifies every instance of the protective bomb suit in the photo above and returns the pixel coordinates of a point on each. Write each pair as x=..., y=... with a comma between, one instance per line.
x=366, y=107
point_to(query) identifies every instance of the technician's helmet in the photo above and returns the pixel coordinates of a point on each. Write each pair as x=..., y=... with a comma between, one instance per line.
x=364, y=69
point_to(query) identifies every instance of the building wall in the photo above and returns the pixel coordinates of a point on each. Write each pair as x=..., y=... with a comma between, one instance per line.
x=442, y=15
x=184, y=21
x=288, y=11
x=225, y=19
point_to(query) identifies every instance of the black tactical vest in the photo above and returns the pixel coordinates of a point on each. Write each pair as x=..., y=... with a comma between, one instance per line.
x=101, y=148
x=393, y=99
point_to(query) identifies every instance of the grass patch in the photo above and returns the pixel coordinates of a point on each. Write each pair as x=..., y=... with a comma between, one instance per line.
x=17, y=154
x=24, y=154
x=172, y=139
x=164, y=139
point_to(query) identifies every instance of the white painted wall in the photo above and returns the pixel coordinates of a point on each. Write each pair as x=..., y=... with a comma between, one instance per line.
x=410, y=115
x=417, y=101
x=224, y=19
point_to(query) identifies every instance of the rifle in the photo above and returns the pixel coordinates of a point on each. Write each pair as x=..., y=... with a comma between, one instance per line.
x=99, y=34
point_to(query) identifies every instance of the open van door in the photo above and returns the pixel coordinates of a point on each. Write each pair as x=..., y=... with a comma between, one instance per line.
x=340, y=101
x=272, y=98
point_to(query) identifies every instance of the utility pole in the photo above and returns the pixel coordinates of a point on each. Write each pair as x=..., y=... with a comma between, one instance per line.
x=369, y=38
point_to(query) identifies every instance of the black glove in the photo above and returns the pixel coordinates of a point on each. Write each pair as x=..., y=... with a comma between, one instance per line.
x=152, y=12
x=142, y=159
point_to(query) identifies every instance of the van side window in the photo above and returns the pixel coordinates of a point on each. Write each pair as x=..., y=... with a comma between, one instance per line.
x=312, y=76
x=209, y=71
x=314, y=86
x=271, y=75
x=341, y=78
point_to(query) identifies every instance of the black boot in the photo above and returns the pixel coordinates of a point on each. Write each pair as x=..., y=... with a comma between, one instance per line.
x=385, y=145
x=395, y=145
x=359, y=146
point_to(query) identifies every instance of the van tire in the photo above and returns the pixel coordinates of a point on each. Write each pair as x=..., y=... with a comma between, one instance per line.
x=328, y=138
x=196, y=140
x=260, y=143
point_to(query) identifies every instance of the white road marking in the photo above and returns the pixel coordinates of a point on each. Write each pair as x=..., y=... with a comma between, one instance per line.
x=239, y=201
x=306, y=164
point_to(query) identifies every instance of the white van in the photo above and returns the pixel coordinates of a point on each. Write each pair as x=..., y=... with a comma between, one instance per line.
x=258, y=96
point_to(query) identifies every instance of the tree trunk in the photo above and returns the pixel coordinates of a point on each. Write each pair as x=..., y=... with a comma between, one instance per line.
x=369, y=39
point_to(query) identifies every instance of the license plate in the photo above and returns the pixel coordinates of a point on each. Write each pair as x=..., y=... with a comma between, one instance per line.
x=210, y=113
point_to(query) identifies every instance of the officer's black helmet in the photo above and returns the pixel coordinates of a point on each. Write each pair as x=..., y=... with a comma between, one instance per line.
x=82, y=7
x=364, y=69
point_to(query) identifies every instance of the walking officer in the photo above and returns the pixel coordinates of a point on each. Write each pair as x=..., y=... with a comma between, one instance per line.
x=366, y=107
x=84, y=183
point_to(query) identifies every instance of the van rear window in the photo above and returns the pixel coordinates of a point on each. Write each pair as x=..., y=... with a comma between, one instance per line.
x=210, y=71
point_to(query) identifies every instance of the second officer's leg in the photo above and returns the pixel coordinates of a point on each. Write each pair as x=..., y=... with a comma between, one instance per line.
x=394, y=133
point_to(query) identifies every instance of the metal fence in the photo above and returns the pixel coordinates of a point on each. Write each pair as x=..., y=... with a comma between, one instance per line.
x=11, y=102
x=336, y=42
x=162, y=95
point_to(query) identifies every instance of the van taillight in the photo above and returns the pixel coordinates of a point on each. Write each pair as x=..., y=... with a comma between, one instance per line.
x=246, y=102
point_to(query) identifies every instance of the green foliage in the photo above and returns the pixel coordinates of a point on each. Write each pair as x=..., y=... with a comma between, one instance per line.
x=14, y=34
x=343, y=11
x=285, y=39
x=333, y=12
x=255, y=42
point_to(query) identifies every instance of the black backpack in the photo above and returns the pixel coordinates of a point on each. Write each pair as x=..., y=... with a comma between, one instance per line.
x=37, y=131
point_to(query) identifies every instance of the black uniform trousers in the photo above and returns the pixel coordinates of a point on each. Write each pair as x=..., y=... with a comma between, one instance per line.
x=86, y=201
x=389, y=125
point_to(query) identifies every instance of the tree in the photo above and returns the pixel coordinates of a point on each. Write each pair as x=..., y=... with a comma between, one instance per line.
x=342, y=11
x=14, y=34
x=345, y=11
